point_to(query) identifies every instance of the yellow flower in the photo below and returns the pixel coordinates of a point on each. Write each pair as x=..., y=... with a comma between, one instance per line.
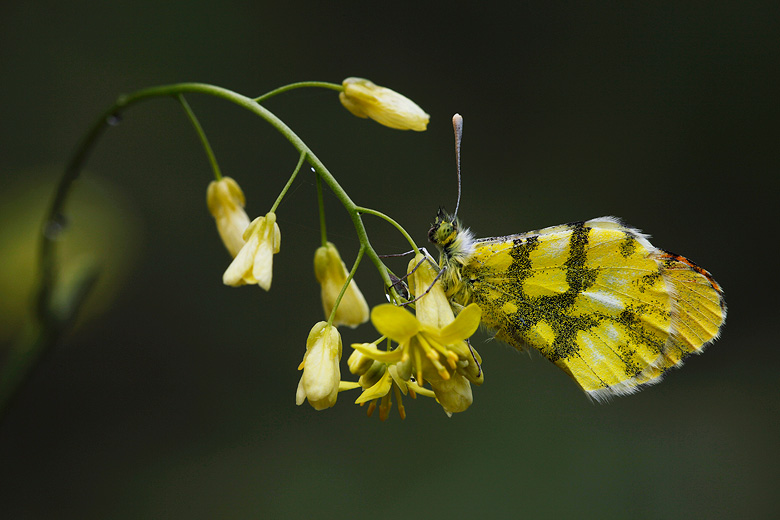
x=431, y=346
x=226, y=204
x=319, y=383
x=332, y=274
x=387, y=107
x=254, y=262
x=434, y=352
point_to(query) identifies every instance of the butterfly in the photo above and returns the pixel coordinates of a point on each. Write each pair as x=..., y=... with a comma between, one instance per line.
x=595, y=297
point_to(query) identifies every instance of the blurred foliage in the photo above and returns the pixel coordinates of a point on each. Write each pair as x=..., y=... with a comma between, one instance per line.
x=101, y=229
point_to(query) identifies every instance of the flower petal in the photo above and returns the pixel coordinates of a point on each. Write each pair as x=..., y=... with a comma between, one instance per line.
x=417, y=389
x=277, y=237
x=378, y=390
x=397, y=378
x=465, y=325
x=383, y=356
x=241, y=264
x=394, y=322
x=262, y=270
x=348, y=385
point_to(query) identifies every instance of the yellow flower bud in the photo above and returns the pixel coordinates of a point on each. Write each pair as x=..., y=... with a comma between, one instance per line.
x=254, y=262
x=387, y=107
x=332, y=274
x=454, y=394
x=359, y=363
x=319, y=383
x=226, y=204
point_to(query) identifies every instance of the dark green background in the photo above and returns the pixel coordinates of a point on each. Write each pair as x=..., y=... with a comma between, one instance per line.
x=179, y=401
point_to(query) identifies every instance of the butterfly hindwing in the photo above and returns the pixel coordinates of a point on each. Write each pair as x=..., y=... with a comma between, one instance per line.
x=595, y=298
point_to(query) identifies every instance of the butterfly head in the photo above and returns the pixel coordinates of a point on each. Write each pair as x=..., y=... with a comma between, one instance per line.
x=454, y=241
x=444, y=230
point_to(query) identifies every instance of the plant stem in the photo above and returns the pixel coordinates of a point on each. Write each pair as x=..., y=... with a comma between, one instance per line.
x=203, y=139
x=300, y=84
x=369, y=211
x=321, y=204
x=289, y=182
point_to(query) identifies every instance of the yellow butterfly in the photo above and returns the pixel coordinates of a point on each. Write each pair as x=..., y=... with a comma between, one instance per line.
x=595, y=298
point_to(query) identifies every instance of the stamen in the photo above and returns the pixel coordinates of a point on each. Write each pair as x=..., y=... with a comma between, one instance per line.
x=401, y=409
x=384, y=407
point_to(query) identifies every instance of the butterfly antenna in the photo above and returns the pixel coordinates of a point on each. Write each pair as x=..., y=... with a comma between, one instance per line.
x=457, y=125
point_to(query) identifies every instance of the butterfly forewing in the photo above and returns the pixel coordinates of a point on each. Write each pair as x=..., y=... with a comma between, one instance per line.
x=597, y=299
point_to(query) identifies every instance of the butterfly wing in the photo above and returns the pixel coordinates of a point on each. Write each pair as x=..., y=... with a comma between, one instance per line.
x=597, y=299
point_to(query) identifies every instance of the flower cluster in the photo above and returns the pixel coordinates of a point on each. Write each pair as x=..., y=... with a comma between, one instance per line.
x=429, y=347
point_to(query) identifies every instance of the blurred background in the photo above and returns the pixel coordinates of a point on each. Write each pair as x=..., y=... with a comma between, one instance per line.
x=174, y=398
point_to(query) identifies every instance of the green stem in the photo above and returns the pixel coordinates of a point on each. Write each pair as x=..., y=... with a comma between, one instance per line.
x=289, y=182
x=203, y=139
x=300, y=84
x=369, y=211
x=321, y=204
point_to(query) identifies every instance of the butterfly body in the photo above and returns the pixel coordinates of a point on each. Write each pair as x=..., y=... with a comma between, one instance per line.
x=595, y=298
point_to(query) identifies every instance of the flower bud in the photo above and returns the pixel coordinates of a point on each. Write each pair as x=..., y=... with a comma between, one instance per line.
x=359, y=363
x=332, y=274
x=387, y=107
x=454, y=394
x=225, y=201
x=319, y=383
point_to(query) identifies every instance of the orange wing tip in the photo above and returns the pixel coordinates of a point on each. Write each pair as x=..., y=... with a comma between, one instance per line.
x=700, y=307
x=670, y=258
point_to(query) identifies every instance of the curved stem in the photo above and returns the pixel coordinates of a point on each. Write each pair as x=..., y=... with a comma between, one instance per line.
x=369, y=211
x=289, y=182
x=300, y=84
x=203, y=139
